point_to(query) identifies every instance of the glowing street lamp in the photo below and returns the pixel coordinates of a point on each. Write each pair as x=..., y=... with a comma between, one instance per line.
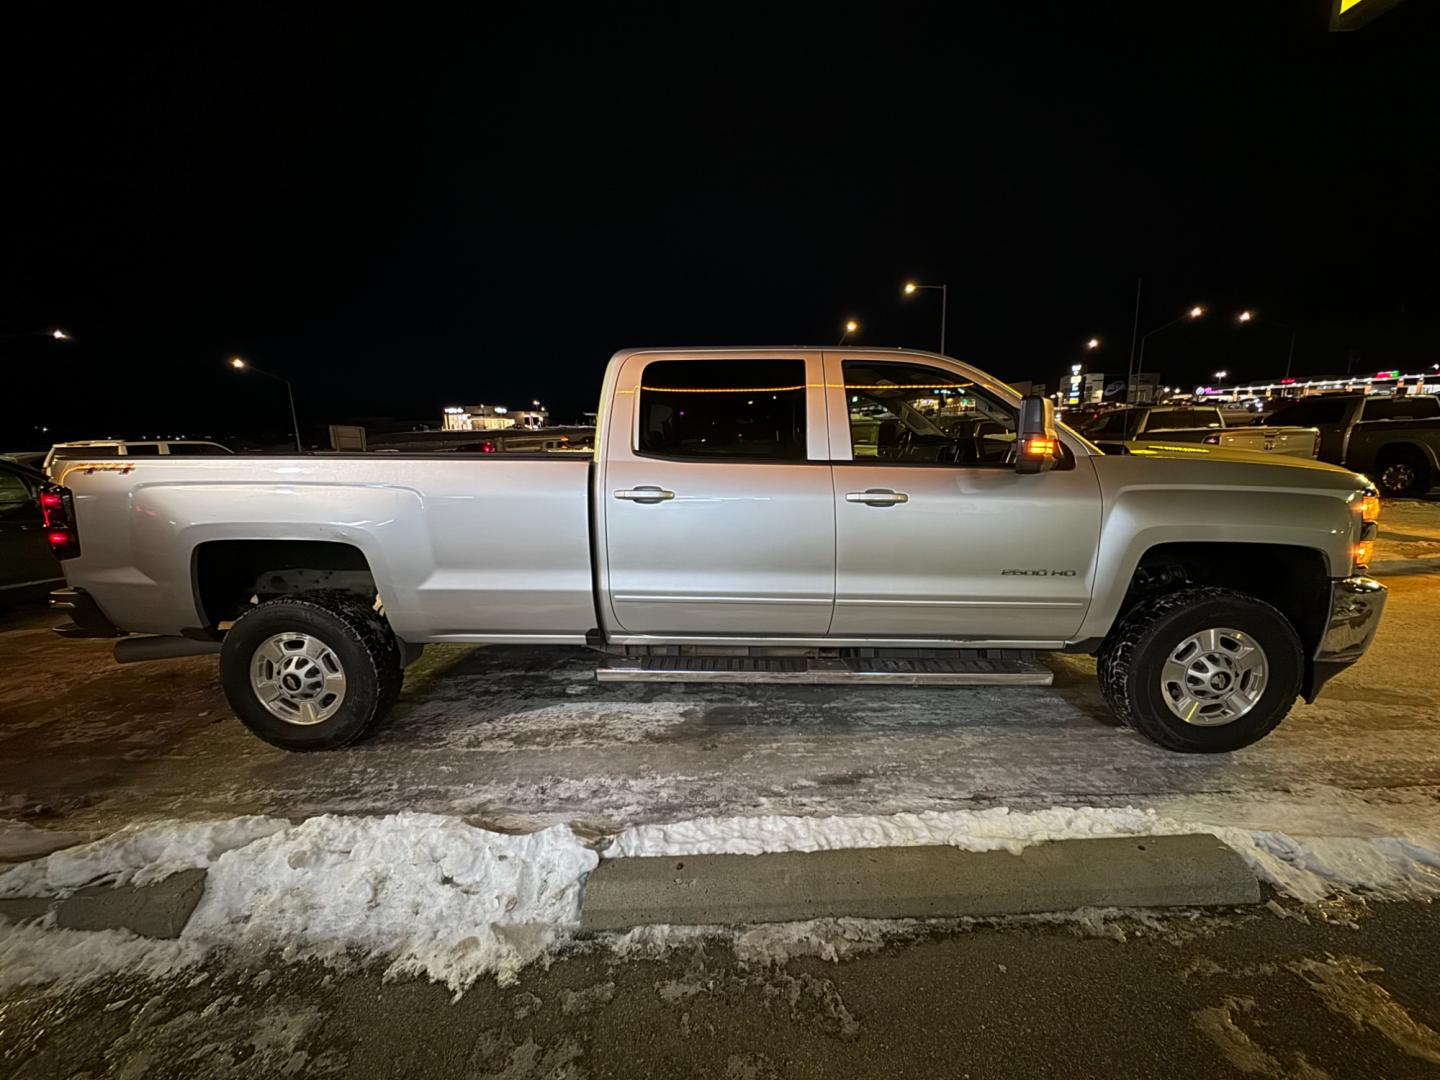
x=55, y=334
x=1247, y=316
x=239, y=363
x=913, y=287
x=1194, y=313
x=1093, y=344
x=1220, y=377
x=851, y=327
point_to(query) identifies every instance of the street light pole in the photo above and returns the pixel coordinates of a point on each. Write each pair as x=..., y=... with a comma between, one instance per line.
x=1194, y=313
x=1248, y=316
x=912, y=287
x=240, y=364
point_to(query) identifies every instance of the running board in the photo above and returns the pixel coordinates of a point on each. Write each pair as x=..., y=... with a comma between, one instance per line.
x=847, y=671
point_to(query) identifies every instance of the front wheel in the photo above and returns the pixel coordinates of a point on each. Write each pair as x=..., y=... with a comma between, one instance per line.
x=310, y=673
x=1202, y=670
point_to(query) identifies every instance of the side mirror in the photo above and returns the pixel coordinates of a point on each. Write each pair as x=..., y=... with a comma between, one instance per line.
x=1036, y=443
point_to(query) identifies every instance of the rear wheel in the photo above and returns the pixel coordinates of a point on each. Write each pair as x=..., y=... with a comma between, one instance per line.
x=1404, y=472
x=311, y=672
x=1202, y=670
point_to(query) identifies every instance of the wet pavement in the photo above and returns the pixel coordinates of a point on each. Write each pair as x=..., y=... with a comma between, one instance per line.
x=520, y=737
x=1202, y=997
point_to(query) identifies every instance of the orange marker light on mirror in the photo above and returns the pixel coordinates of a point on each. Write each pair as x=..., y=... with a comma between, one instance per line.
x=1039, y=446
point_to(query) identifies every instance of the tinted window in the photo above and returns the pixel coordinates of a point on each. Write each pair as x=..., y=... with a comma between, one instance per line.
x=193, y=448
x=1177, y=419
x=724, y=409
x=13, y=489
x=1404, y=408
x=913, y=413
x=1112, y=425
x=68, y=453
x=1309, y=413
x=140, y=449
x=16, y=498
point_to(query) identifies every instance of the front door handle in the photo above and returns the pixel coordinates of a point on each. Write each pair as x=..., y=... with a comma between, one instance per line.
x=877, y=497
x=648, y=494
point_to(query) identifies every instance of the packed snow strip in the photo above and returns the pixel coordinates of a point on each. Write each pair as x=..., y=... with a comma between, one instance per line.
x=441, y=898
x=430, y=893
x=1306, y=868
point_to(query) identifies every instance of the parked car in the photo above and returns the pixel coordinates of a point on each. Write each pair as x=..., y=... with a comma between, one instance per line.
x=28, y=568
x=31, y=459
x=1395, y=440
x=1196, y=423
x=93, y=449
x=840, y=516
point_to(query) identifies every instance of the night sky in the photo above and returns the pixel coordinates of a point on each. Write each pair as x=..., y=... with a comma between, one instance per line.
x=405, y=212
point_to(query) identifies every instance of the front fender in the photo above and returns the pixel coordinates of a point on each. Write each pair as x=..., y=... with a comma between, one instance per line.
x=1139, y=517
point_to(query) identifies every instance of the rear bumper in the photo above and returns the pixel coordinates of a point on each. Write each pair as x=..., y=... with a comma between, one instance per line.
x=86, y=618
x=1356, y=604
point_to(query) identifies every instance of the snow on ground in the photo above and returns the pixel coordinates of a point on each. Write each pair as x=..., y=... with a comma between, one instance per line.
x=438, y=897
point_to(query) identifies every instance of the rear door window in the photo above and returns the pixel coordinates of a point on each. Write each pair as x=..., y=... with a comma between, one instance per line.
x=192, y=449
x=1309, y=413
x=71, y=453
x=1401, y=408
x=752, y=410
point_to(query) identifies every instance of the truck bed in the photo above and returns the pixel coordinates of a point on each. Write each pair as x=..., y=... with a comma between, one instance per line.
x=450, y=535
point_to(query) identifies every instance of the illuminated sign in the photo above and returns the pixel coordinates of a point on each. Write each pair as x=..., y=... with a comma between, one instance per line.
x=1353, y=14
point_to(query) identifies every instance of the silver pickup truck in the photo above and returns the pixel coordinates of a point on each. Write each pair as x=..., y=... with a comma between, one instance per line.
x=821, y=515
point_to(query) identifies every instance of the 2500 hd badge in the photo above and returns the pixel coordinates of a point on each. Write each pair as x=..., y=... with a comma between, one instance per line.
x=1037, y=573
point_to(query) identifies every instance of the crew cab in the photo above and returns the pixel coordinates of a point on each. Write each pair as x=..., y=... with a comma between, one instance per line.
x=1111, y=431
x=1397, y=439
x=848, y=515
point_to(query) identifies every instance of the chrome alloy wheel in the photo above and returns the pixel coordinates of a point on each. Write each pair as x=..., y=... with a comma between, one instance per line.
x=1214, y=677
x=1398, y=476
x=298, y=678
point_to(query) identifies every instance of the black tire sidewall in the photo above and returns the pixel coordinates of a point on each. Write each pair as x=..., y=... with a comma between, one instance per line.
x=1284, y=658
x=363, y=682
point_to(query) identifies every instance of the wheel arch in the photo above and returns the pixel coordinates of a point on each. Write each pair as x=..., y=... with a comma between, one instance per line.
x=1292, y=578
x=226, y=574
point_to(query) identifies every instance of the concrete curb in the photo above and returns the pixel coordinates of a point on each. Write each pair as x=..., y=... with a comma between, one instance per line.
x=918, y=882
x=158, y=911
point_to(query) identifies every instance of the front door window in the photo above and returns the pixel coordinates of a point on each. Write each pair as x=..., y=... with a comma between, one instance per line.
x=912, y=414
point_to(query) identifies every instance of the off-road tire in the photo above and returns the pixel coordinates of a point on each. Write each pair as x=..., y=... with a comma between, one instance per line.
x=1131, y=659
x=361, y=640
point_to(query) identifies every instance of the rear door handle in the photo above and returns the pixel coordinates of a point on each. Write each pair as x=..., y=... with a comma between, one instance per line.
x=877, y=497
x=648, y=494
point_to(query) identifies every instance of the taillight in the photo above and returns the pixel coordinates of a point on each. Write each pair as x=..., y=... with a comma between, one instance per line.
x=59, y=510
x=487, y=448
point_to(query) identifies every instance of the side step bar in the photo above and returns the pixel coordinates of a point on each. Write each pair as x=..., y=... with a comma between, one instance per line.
x=846, y=671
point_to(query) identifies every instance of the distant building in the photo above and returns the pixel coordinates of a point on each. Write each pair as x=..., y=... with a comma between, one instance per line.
x=493, y=418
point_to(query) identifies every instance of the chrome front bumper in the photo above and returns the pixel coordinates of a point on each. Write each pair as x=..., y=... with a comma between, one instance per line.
x=1356, y=604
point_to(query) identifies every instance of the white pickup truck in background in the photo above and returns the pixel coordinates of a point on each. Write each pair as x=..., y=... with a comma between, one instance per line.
x=781, y=515
x=1196, y=424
